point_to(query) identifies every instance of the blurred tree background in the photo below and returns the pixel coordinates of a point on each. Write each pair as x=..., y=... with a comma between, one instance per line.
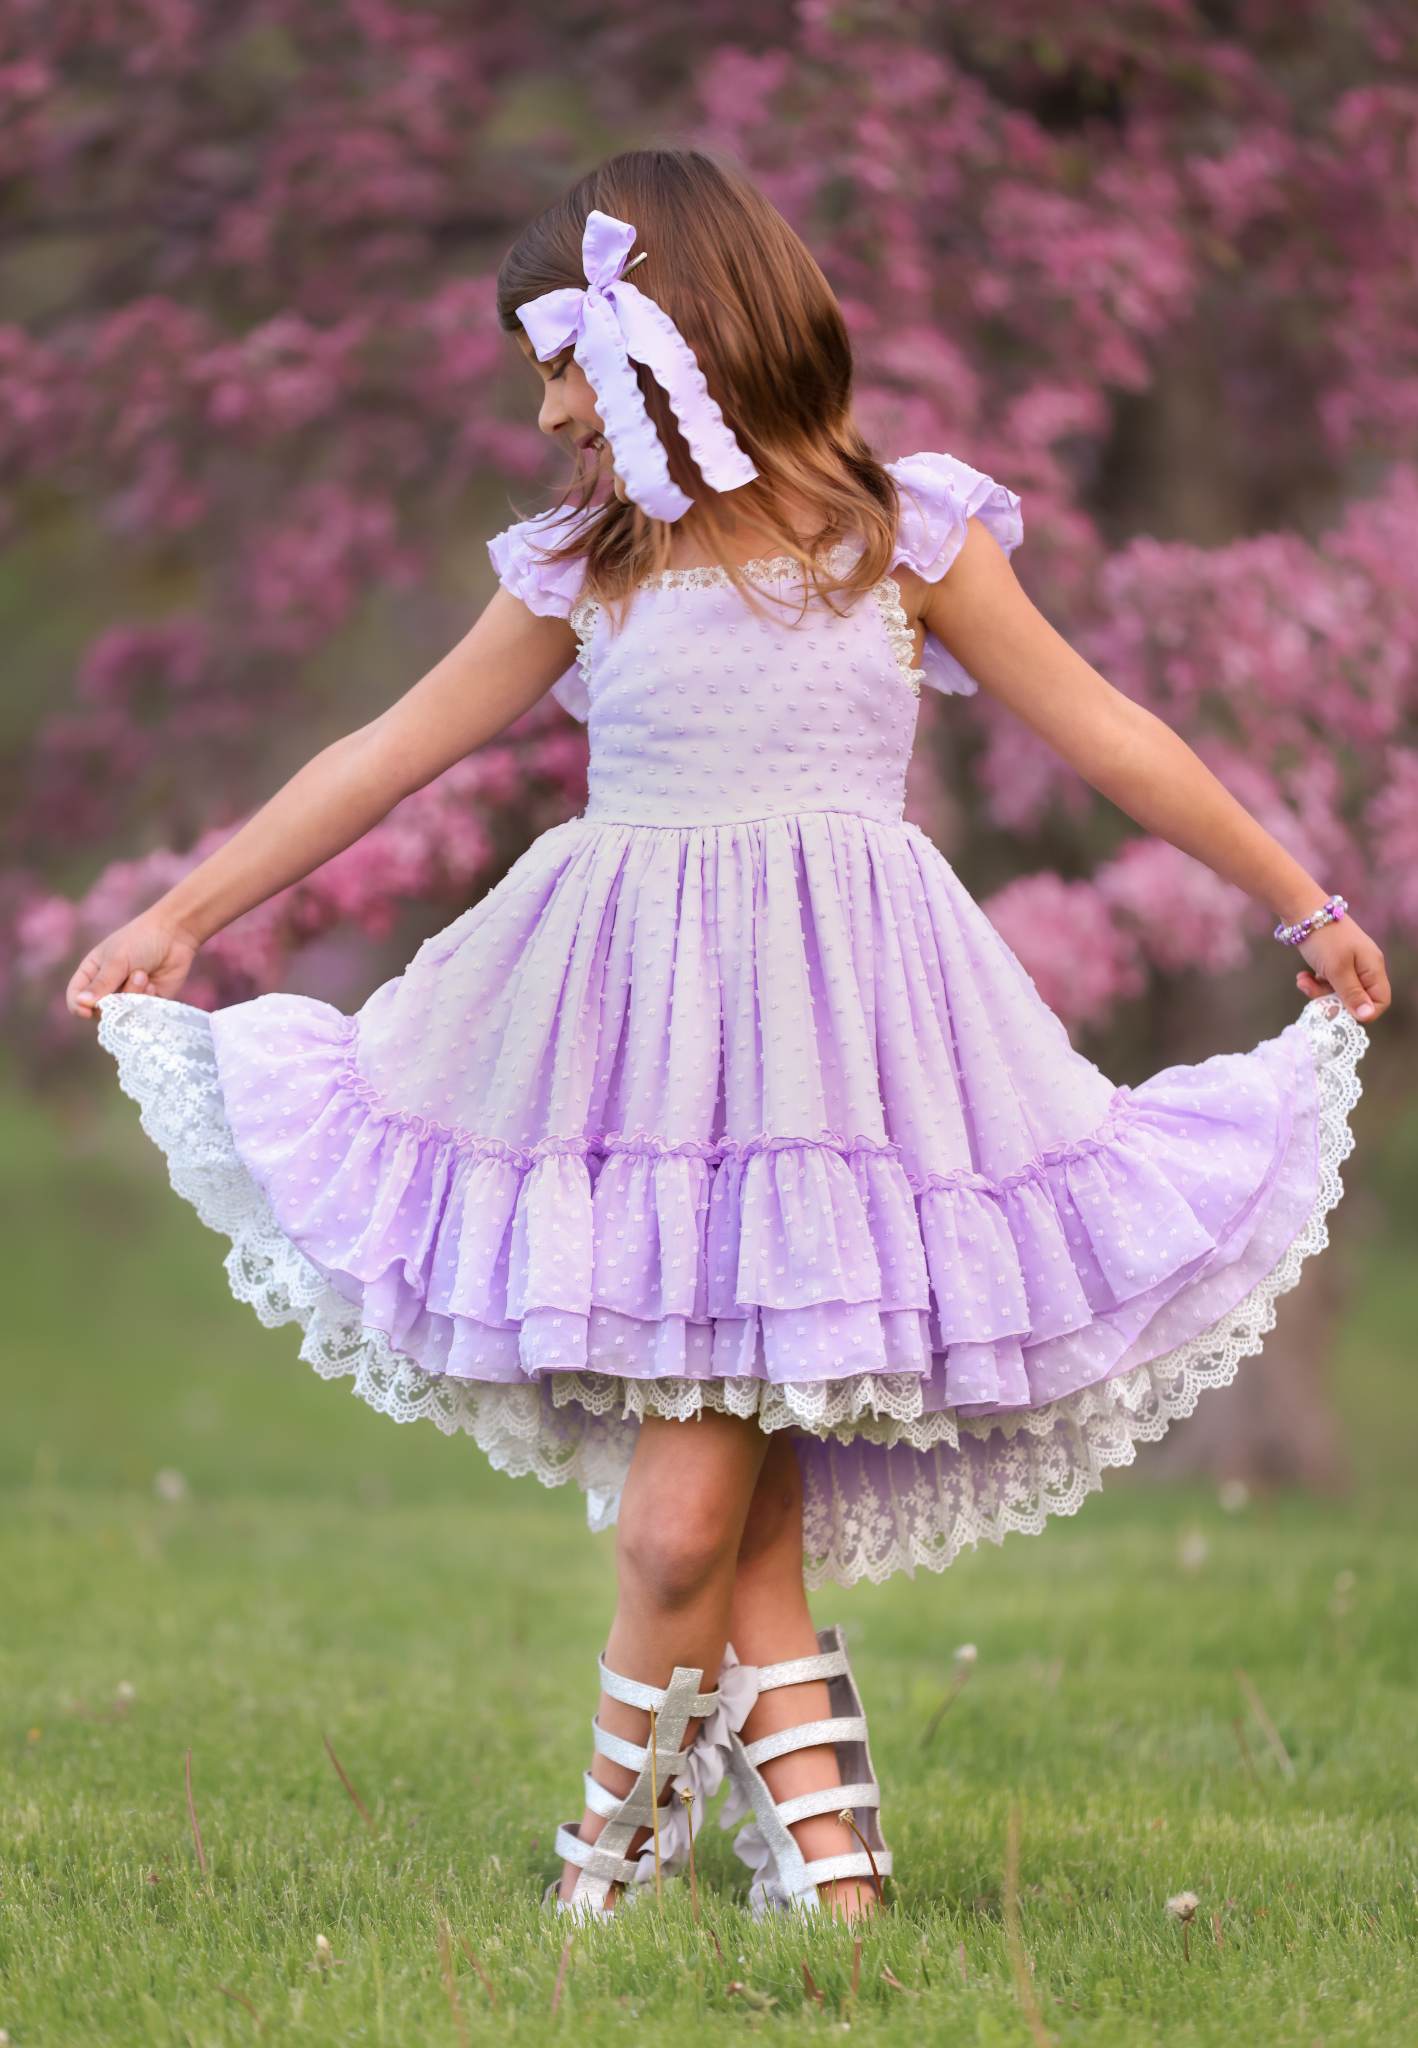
x=1149, y=262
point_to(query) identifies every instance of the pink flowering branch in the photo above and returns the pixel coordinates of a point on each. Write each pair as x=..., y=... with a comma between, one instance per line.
x=1145, y=269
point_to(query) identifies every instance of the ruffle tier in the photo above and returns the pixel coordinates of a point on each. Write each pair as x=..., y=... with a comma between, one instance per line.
x=960, y=1355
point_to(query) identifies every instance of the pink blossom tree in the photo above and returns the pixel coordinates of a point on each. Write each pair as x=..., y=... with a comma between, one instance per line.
x=1150, y=265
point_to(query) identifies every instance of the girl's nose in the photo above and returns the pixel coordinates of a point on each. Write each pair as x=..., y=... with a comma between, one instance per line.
x=553, y=414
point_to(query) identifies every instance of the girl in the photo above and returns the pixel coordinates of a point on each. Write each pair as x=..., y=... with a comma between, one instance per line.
x=723, y=1158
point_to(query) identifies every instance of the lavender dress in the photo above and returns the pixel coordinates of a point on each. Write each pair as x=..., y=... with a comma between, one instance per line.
x=730, y=1096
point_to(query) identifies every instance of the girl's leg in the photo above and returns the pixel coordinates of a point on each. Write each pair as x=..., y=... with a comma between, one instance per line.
x=769, y=1623
x=677, y=1545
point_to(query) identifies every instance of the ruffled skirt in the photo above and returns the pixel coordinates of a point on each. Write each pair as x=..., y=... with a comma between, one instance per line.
x=764, y=1117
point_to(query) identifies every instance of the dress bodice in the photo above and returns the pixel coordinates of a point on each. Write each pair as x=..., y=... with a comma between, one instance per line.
x=704, y=708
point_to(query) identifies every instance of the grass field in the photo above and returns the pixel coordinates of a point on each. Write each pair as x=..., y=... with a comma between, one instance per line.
x=205, y=1549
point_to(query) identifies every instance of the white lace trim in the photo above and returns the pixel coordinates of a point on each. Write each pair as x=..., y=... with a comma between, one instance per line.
x=898, y=631
x=582, y=619
x=581, y=1426
x=714, y=575
x=585, y=614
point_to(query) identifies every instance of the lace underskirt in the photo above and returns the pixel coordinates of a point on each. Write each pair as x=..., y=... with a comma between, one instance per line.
x=889, y=1487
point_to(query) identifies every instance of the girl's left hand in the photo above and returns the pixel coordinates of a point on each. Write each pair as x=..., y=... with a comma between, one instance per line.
x=1344, y=961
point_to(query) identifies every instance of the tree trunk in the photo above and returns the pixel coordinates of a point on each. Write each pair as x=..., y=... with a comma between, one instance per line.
x=1168, y=474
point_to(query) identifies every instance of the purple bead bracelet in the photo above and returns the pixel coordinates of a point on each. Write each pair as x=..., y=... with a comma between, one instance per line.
x=1332, y=908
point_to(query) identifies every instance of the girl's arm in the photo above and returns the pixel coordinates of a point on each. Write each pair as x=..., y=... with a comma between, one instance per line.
x=510, y=657
x=981, y=613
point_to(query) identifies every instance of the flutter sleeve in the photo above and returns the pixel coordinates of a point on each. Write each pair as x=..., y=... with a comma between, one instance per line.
x=547, y=588
x=939, y=495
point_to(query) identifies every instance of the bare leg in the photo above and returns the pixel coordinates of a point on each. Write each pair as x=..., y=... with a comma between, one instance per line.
x=677, y=1545
x=769, y=1622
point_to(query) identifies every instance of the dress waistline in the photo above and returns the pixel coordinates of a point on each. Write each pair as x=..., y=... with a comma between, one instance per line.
x=593, y=815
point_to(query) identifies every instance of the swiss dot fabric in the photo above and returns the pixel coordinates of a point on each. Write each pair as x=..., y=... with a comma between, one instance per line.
x=939, y=496
x=729, y=1094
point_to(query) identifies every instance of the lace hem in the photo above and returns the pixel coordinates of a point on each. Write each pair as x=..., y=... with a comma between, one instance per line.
x=975, y=1478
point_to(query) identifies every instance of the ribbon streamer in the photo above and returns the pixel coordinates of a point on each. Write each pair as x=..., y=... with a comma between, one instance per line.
x=609, y=324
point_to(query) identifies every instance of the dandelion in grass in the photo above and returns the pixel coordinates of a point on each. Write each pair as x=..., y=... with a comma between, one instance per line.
x=169, y=1485
x=687, y=1797
x=1341, y=1609
x=325, y=1957
x=1232, y=1495
x=1192, y=1550
x=1341, y=1599
x=1182, y=1906
x=963, y=1663
x=849, y=1820
x=655, y=1801
x=561, y=1969
x=756, y=2001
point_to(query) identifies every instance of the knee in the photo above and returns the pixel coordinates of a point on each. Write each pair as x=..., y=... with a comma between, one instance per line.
x=674, y=1549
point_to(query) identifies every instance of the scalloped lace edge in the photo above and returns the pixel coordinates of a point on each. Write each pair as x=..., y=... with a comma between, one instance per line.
x=898, y=631
x=586, y=612
x=714, y=575
x=1049, y=1459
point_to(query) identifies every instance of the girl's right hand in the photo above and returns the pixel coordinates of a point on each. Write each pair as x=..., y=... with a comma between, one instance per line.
x=149, y=956
x=1342, y=960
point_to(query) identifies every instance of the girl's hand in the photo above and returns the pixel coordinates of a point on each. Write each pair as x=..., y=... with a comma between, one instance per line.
x=1345, y=962
x=150, y=956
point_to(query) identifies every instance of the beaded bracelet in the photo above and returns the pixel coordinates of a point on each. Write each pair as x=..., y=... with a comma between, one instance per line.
x=1332, y=908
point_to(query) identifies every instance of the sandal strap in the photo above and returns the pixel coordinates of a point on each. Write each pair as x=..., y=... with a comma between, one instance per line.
x=599, y=1798
x=791, y=1878
x=799, y=1670
x=855, y=1863
x=635, y=1756
x=613, y=1806
x=806, y=1735
x=592, y=1858
x=832, y=1799
x=605, y=1862
x=632, y=1693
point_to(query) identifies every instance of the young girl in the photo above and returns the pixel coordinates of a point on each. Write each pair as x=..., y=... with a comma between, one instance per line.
x=723, y=1158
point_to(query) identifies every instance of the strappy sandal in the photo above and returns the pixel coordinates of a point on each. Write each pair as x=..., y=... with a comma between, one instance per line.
x=606, y=1862
x=782, y=1877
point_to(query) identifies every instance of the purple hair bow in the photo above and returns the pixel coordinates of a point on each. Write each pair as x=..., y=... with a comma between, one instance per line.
x=608, y=324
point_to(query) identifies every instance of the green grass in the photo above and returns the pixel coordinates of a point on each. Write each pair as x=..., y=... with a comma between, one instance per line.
x=326, y=1573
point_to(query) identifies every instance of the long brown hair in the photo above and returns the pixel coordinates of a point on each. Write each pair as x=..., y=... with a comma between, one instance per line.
x=769, y=336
